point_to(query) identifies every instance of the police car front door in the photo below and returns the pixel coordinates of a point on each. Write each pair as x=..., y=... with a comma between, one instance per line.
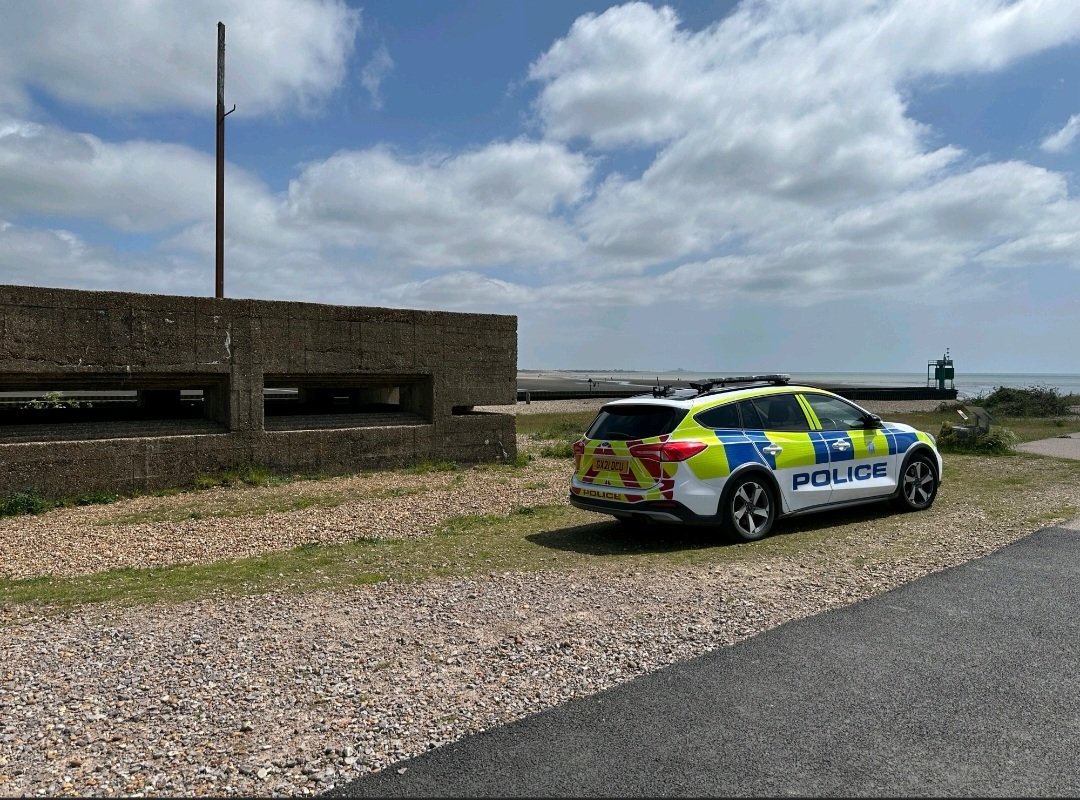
x=860, y=466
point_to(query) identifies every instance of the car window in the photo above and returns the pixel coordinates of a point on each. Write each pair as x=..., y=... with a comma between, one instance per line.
x=624, y=423
x=781, y=412
x=751, y=419
x=834, y=414
x=725, y=416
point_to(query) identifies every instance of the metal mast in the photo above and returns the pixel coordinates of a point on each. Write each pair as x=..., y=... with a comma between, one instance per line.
x=219, y=283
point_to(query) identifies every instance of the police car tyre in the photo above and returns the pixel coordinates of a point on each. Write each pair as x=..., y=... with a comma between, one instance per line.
x=918, y=483
x=749, y=508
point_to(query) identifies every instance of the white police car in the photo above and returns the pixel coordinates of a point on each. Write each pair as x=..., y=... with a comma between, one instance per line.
x=742, y=452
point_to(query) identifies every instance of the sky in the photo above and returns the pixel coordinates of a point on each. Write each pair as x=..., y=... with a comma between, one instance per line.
x=799, y=185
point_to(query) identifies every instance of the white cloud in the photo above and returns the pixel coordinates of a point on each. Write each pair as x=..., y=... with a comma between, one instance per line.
x=778, y=163
x=59, y=258
x=460, y=291
x=777, y=126
x=127, y=55
x=1062, y=140
x=375, y=72
x=133, y=186
x=497, y=205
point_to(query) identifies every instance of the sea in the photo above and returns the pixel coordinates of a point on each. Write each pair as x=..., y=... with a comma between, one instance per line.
x=967, y=384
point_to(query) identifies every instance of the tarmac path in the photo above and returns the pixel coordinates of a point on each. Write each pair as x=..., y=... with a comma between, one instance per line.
x=961, y=682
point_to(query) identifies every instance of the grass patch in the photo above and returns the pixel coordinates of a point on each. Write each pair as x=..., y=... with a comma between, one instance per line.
x=428, y=466
x=555, y=426
x=252, y=505
x=1026, y=429
x=561, y=538
x=29, y=502
x=255, y=475
x=558, y=450
x=100, y=497
x=17, y=503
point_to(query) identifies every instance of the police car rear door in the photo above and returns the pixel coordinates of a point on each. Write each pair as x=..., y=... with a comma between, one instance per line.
x=793, y=452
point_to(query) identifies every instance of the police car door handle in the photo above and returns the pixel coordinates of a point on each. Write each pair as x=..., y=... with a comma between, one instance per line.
x=771, y=449
x=841, y=445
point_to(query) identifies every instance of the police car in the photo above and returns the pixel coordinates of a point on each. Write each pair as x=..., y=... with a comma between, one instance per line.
x=743, y=451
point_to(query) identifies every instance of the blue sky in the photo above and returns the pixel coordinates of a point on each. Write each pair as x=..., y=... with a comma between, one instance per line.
x=800, y=185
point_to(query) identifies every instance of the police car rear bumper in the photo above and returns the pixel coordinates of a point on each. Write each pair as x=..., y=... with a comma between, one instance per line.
x=659, y=510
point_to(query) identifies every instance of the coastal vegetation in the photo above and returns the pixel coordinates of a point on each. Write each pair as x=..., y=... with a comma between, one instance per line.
x=1033, y=401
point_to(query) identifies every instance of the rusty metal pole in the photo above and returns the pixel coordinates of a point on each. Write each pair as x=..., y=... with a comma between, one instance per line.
x=219, y=252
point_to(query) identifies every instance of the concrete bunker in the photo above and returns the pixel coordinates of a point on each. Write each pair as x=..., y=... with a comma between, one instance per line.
x=132, y=392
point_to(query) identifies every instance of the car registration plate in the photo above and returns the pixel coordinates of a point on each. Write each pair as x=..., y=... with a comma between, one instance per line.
x=611, y=464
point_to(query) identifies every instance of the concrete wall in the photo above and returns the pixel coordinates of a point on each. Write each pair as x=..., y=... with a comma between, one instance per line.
x=434, y=365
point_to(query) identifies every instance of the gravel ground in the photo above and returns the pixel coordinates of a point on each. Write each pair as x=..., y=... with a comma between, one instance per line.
x=292, y=694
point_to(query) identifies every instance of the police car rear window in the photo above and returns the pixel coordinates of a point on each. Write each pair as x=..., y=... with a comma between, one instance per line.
x=624, y=423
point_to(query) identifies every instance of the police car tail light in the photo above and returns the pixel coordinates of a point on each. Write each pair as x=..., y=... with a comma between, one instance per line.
x=667, y=451
x=579, y=450
x=680, y=450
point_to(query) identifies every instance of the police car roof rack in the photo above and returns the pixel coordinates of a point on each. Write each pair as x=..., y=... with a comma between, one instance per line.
x=667, y=390
x=713, y=385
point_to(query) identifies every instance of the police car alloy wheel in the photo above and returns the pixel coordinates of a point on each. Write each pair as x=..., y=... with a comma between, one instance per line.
x=749, y=510
x=919, y=484
x=743, y=453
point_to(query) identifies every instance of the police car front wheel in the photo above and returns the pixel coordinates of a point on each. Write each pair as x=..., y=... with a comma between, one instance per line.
x=918, y=484
x=748, y=509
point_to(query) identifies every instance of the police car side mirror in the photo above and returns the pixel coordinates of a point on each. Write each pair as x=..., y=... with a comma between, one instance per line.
x=872, y=421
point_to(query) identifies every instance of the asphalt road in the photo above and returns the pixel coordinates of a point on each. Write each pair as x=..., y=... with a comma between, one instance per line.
x=964, y=682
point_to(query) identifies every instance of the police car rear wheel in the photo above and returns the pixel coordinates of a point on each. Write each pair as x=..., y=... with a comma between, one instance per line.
x=918, y=484
x=749, y=510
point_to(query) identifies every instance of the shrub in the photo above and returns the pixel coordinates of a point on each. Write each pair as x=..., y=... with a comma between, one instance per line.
x=56, y=400
x=1033, y=401
x=999, y=441
x=17, y=503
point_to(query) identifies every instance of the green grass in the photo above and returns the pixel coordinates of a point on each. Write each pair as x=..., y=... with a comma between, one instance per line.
x=29, y=502
x=255, y=475
x=1026, y=429
x=427, y=467
x=557, y=537
x=557, y=450
x=562, y=538
x=528, y=539
x=565, y=426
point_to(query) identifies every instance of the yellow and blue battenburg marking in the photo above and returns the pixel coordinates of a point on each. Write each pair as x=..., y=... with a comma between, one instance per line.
x=642, y=470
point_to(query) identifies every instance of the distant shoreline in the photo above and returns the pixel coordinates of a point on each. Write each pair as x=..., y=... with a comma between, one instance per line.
x=968, y=384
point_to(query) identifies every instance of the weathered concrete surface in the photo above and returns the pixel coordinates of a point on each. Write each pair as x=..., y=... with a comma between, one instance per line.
x=435, y=365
